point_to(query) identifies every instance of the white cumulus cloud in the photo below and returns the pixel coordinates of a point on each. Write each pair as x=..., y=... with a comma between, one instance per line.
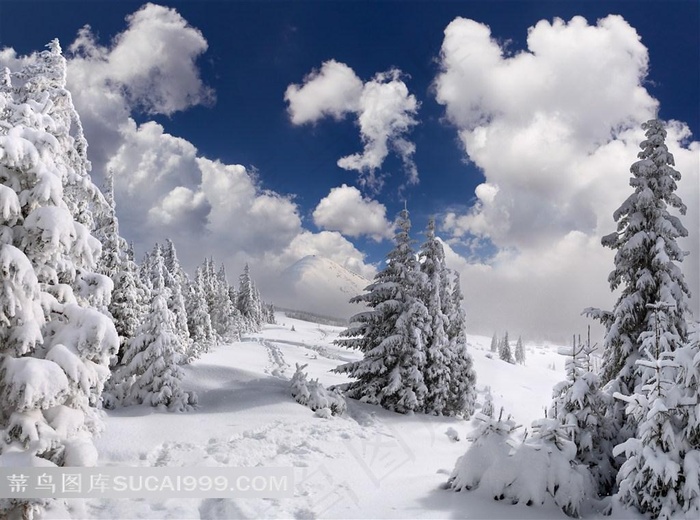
x=554, y=129
x=334, y=90
x=153, y=61
x=385, y=112
x=344, y=209
x=164, y=187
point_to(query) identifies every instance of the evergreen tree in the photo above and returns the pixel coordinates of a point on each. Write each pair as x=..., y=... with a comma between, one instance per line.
x=150, y=373
x=646, y=272
x=687, y=359
x=652, y=477
x=494, y=343
x=520, y=352
x=177, y=282
x=504, y=351
x=579, y=405
x=129, y=296
x=248, y=302
x=53, y=339
x=199, y=322
x=160, y=281
x=229, y=322
x=434, y=293
x=391, y=334
x=463, y=377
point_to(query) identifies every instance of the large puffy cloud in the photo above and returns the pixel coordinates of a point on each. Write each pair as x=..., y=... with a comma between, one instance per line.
x=347, y=211
x=384, y=109
x=554, y=129
x=164, y=187
x=153, y=62
x=151, y=66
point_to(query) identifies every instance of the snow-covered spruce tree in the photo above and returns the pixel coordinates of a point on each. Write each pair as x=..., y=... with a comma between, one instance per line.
x=228, y=321
x=687, y=361
x=520, y=351
x=129, y=296
x=198, y=320
x=176, y=281
x=654, y=475
x=43, y=80
x=504, y=351
x=52, y=337
x=434, y=292
x=391, y=334
x=494, y=343
x=646, y=270
x=151, y=373
x=248, y=302
x=269, y=313
x=579, y=405
x=463, y=377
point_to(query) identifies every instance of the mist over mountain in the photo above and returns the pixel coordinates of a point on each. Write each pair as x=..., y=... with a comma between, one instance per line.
x=320, y=286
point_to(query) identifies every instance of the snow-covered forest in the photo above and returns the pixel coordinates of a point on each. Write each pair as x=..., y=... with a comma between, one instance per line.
x=107, y=359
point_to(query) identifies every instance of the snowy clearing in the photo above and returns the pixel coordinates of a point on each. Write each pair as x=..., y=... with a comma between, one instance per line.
x=368, y=463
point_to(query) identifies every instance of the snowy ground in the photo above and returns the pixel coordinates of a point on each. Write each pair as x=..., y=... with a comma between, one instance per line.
x=369, y=463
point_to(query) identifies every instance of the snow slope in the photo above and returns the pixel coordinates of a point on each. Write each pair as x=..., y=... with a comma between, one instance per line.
x=369, y=463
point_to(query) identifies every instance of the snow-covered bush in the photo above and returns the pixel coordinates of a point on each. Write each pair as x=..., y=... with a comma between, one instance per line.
x=530, y=472
x=313, y=395
x=485, y=460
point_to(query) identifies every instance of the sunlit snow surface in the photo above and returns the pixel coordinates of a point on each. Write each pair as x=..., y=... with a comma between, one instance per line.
x=368, y=463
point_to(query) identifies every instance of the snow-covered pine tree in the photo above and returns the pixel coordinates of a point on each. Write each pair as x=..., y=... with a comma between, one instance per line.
x=520, y=351
x=579, y=405
x=151, y=373
x=52, y=337
x=463, y=377
x=177, y=281
x=129, y=296
x=494, y=343
x=646, y=270
x=652, y=477
x=248, y=302
x=687, y=360
x=199, y=321
x=161, y=281
x=226, y=318
x=434, y=293
x=504, y=351
x=391, y=334
x=269, y=313
x=43, y=80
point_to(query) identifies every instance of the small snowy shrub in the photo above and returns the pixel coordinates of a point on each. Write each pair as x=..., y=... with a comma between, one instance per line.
x=313, y=395
x=523, y=472
x=486, y=459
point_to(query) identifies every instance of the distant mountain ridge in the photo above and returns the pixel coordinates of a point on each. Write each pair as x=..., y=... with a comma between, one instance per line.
x=321, y=286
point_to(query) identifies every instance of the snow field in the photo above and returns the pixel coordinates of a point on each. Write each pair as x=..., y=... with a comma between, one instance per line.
x=368, y=463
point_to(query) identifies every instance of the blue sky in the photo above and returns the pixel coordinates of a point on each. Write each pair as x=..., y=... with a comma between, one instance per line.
x=218, y=94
